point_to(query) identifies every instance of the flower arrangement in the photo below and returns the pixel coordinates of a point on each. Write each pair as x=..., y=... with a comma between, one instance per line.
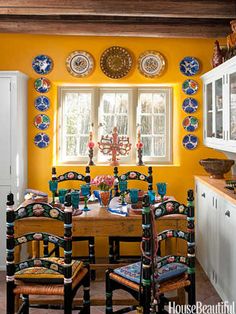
x=103, y=182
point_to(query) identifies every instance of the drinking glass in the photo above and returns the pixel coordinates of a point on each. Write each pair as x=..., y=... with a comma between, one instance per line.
x=151, y=195
x=161, y=189
x=62, y=194
x=53, y=188
x=85, y=190
x=75, y=199
x=133, y=193
x=123, y=188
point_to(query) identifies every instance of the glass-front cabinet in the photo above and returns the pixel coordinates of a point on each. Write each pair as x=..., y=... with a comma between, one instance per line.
x=220, y=106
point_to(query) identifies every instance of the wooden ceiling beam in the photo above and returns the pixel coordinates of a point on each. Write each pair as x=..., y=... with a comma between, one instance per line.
x=149, y=8
x=179, y=28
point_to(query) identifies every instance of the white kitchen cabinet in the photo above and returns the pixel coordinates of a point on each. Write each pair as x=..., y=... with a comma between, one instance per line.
x=215, y=245
x=219, y=87
x=13, y=143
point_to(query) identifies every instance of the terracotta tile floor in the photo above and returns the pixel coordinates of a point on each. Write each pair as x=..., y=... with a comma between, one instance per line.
x=205, y=293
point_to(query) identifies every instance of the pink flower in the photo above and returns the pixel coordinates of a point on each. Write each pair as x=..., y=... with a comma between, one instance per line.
x=103, y=182
x=71, y=175
x=132, y=175
x=169, y=207
x=38, y=210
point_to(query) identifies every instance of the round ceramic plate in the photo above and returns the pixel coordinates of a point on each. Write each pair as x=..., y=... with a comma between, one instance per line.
x=42, y=85
x=190, y=105
x=116, y=62
x=42, y=103
x=42, y=64
x=189, y=66
x=80, y=63
x=41, y=121
x=151, y=64
x=190, y=87
x=190, y=123
x=41, y=140
x=190, y=141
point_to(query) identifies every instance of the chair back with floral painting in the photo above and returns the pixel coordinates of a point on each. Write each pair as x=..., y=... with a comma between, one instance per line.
x=34, y=276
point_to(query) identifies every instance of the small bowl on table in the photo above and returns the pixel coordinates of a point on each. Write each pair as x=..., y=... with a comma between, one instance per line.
x=216, y=167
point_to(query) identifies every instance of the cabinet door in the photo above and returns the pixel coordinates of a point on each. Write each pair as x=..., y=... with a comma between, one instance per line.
x=202, y=225
x=226, y=278
x=231, y=121
x=5, y=127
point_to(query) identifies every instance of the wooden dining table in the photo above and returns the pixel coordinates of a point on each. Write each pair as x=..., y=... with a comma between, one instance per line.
x=99, y=222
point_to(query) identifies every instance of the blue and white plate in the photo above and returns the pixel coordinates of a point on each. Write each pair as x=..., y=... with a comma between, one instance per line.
x=42, y=103
x=42, y=64
x=41, y=121
x=190, y=105
x=42, y=85
x=41, y=140
x=189, y=66
x=190, y=141
x=190, y=87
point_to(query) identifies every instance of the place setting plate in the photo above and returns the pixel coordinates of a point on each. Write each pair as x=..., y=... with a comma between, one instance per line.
x=80, y=63
x=151, y=63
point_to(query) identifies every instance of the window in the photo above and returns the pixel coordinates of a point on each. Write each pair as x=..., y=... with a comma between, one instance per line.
x=126, y=108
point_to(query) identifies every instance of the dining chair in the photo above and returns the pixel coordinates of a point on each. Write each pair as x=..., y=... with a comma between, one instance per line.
x=115, y=255
x=149, y=280
x=43, y=275
x=75, y=176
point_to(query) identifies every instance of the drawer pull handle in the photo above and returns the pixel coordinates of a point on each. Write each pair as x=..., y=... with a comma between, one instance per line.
x=227, y=213
x=203, y=194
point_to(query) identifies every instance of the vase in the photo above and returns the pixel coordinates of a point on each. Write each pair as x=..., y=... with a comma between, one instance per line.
x=105, y=198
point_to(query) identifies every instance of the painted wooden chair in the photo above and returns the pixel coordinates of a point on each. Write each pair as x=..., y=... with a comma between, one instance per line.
x=44, y=275
x=75, y=176
x=114, y=242
x=149, y=280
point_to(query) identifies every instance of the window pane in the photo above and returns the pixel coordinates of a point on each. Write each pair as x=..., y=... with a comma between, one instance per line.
x=83, y=145
x=84, y=123
x=71, y=125
x=158, y=103
x=122, y=103
x=146, y=102
x=147, y=145
x=108, y=102
x=146, y=124
x=108, y=124
x=158, y=124
x=71, y=145
x=158, y=146
x=122, y=125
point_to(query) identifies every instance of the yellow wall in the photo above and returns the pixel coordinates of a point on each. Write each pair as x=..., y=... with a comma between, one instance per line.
x=17, y=52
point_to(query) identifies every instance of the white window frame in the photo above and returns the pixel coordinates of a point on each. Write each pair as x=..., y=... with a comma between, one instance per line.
x=168, y=123
x=96, y=96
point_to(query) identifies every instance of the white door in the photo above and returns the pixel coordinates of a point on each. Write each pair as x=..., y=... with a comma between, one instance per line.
x=4, y=190
x=5, y=127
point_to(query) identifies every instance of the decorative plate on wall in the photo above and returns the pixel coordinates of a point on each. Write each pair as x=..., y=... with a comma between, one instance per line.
x=189, y=66
x=41, y=140
x=151, y=63
x=42, y=85
x=42, y=103
x=190, y=87
x=190, y=105
x=190, y=123
x=80, y=63
x=116, y=62
x=42, y=64
x=190, y=141
x=41, y=121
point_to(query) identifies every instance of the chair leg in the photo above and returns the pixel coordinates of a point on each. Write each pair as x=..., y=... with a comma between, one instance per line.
x=10, y=298
x=192, y=291
x=67, y=298
x=92, y=256
x=117, y=250
x=111, y=251
x=109, y=307
x=25, y=299
x=86, y=300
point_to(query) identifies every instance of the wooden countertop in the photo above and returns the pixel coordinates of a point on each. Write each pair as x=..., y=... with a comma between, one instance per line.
x=218, y=185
